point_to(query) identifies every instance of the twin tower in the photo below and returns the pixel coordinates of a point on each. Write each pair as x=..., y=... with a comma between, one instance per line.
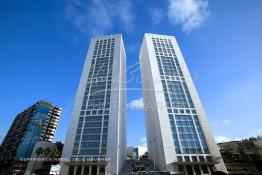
x=178, y=136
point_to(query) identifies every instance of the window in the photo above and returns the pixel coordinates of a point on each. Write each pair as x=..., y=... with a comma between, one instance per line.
x=179, y=159
x=106, y=117
x=194, y=158
x=201, y=158
x=169, y=66
x=89, y=152
x=209, y=158
x=176, y=94
x=187, y=159
x=90, y=145
x=181, y=111
x=187, y=133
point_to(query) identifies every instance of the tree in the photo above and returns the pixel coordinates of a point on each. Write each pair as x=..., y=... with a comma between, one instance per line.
x=55, y=154
x=38, y=152
x=47, y=152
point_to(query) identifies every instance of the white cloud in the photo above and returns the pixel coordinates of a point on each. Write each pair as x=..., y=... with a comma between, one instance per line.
x=189, y=13
x=157, y=15
x=238, y=138
x=141, y=150
x=125, y=14
x=99, y=16
x=220, y=139
x=226, y=122
x=136, y=104
x=143, y=141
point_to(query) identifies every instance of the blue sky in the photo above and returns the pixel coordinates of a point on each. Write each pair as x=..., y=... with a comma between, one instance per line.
x=43, y=45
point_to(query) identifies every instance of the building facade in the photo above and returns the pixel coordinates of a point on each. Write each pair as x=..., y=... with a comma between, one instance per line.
x=36, y=123
x=178, y=136
x=243, y=157
x=96, y=137
x=132, y=153
x=46, y=154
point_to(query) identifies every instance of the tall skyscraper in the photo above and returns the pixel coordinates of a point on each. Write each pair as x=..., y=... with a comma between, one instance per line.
x=96, y=137
x=178, y=136
x=36, y=123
